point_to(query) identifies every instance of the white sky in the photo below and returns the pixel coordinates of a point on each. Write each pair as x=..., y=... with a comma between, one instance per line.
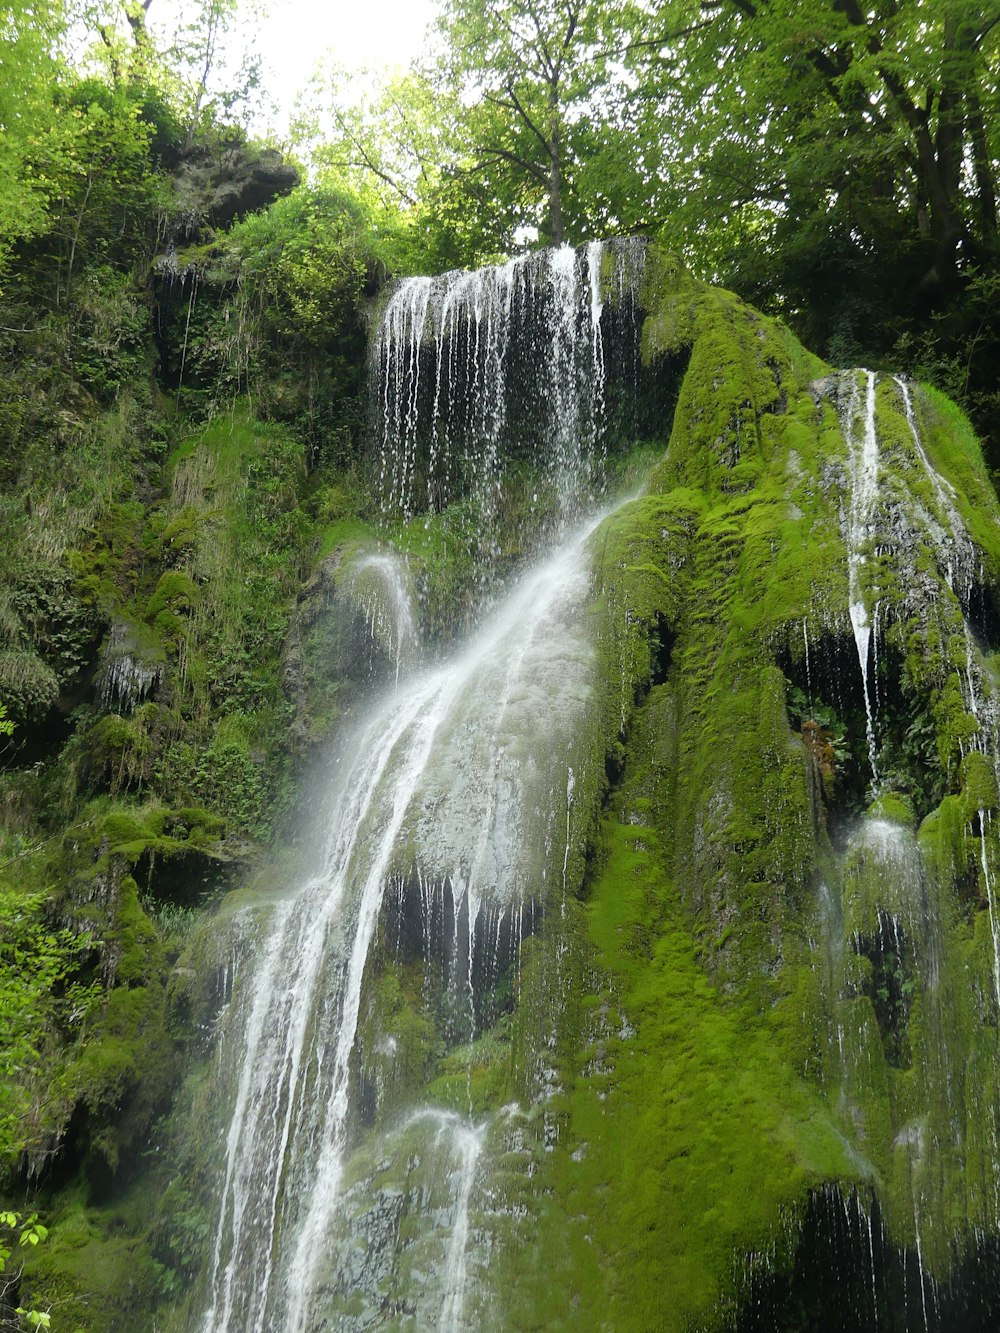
x=297, y=34
x=358, y=32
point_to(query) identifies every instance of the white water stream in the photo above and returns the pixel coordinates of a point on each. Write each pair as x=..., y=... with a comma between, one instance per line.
x=449, y=790
x=451, y=374
x=955, y=550
x=956, y=557
x=443, y=776
x=864, y=466
x=379, y=586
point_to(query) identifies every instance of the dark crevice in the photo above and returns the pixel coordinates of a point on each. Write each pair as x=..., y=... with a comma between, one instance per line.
x=185, y=879
x=889, y=984
x=847, y=1277
x=827, y=705
x=983, y=616
x=473, y=988
x=663, y=639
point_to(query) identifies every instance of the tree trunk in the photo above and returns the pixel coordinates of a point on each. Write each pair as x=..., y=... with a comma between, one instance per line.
x=983, y=168
x=557, y=229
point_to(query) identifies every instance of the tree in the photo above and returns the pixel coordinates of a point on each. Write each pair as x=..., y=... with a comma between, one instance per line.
x=837, y=163
x=827, y=109
x=522, y=124
x=212, y=67
x=29, y=36
x=205, y=65
x=539, y=84
x=387, y=141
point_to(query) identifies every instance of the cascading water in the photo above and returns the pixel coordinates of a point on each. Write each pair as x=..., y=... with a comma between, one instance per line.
x=401, y=1085
x=379, y=585
x=459, y=397
x=442, y=799
x=956, y=557
x=954, y=547
x=440, y=776
x=890, y=945
x=863, y=458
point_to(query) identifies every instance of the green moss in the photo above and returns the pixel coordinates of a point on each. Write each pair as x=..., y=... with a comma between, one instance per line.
x=398, y=1039
x=91, y=1277
x=474, y=1079
x=957, y=453
x=979, y=784
x=441, y=552
x=893, y=807
x=685, y=1133
x=107, y=566
x=173, y=596
x=347, y=531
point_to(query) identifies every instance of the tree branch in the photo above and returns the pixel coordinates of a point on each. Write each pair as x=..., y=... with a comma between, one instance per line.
x=505, y=155
x=515, y=105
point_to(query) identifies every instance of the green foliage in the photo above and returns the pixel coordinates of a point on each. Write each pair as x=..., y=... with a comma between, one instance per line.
x=46, y=998
x=391, y=146
x=88, y=1273
x=825, y=178
x=225, y=777
x=308, y=253
x=521, y=125
x=29, y=1232
x=273, y=309
x=539, y=87
x=113, y=332
x=29, y=36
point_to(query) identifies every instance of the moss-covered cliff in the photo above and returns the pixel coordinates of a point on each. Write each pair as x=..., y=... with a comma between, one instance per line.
x=786, y=961
x=762, y=954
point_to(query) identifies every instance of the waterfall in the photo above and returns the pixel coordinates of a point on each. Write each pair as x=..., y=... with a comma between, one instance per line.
x=507, y=362
x=956, y=557
x=378, y=584
x=470, y=1143
x=449, y=803
x=889, y=962
x=864, y=465
x=439, y=780
x=369, y=1174
x=954, y=547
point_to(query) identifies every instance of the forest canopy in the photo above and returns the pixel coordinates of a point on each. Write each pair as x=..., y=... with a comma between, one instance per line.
x=832, y=163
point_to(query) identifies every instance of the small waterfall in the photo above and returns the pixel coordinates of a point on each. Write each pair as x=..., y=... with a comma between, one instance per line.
x=859, y=428
x=438, y=823
x=955, y=551
x=892, y=860
x=956, y=557
x=469, y=1140
x=438, y=777
x=127, y=673
x=378, y=584
x=460, y=391
x=984, y=824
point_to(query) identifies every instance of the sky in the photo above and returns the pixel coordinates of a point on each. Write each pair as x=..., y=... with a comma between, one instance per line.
x=297, y=34
x=358, y=32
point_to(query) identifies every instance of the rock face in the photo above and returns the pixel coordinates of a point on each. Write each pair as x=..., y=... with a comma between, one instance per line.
x=216, y=184
x=761, y=967
x=740, y=1007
